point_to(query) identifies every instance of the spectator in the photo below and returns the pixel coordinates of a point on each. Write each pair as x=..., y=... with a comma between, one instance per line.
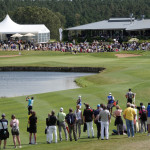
x=105, y=120
x=129, y=115
x=14, y=124
x=97, y=120
x=61, y=123
x=33, y=127
x=88, y=117
x=143, y=119
x=52, y=127
x=3, y=130
x=136, y=127
x=71, y=120
x=118, y=120
x=148, y=119
x=79, y=120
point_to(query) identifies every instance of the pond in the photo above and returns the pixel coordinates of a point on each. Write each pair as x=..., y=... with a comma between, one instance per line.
x=27, y=83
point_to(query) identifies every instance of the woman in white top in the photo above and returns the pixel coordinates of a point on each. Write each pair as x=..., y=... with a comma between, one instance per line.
x=79, y=119
x=14, y=124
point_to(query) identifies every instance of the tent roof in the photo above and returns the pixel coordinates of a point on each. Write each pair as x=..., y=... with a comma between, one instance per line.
x=7, y=26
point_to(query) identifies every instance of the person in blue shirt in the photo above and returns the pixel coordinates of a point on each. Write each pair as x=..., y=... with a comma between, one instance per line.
x=79, y=101
x=148, y=118
x=30, y=103
x=110, y=104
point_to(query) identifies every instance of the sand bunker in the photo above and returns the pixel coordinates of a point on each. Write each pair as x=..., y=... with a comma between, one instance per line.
x=126, y=55
x=9, y=55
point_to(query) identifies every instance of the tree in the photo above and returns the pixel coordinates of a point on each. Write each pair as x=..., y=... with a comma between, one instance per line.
x=38, y=15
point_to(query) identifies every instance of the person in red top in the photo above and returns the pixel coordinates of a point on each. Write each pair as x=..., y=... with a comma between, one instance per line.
x=88, y=116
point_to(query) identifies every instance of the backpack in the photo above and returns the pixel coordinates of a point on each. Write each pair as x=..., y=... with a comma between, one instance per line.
x=143, y=116
x=70, y=119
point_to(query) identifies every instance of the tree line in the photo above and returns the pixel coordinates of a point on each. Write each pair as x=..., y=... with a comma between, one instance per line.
x=68, y=13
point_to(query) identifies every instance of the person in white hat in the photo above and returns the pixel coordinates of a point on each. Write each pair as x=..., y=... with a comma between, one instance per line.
x=110, y=104
x=79, y=101
x=61, y=124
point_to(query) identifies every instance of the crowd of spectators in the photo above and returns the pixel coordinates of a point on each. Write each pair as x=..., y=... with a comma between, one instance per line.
x=85, y=47
x=136, y=118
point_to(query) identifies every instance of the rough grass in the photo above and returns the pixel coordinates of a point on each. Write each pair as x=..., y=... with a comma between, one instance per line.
x=120, y=74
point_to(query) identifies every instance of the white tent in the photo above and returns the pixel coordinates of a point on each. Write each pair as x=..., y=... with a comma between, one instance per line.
x=41, y=32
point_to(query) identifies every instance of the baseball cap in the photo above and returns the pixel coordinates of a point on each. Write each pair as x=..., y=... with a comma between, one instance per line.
x=143, y=107
x=61, y=109
x=3, y=115
x=79, y=96
x=98, y=105
x=109, y=93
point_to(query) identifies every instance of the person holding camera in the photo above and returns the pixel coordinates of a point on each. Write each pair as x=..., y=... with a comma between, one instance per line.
x=4, y=134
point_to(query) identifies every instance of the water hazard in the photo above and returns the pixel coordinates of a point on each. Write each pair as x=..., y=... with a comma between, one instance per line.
x=26, y=83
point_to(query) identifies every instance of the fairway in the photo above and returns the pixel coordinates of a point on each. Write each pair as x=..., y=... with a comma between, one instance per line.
x=120, y=75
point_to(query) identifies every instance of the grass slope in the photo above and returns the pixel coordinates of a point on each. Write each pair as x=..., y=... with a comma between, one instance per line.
x=120, y=74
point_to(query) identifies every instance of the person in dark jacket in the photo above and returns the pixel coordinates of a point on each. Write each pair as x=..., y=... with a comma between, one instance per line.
x=88, y=117
x=71, y=121
x=3, y=129
x=52, y=127
x=33, y=127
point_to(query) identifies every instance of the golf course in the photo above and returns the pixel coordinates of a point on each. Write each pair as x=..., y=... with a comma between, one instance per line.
x=120, y=74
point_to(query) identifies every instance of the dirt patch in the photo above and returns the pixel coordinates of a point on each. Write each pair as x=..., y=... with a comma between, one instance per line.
x=126, y=55
x=9, y=55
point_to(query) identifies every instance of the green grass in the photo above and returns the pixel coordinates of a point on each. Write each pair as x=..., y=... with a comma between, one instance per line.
x=120, y=75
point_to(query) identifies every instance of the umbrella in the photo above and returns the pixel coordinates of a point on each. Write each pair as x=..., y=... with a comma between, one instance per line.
x=17, y=35
x=29, y=34
x=133, y=40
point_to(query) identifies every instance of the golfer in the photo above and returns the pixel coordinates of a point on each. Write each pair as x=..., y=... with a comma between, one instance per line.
x=30, y=103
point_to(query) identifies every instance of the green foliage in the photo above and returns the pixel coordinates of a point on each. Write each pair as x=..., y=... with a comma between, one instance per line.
x=39, y=15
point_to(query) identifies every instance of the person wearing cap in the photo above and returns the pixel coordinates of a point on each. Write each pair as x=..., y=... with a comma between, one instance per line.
x=129, y=96
x=110, y=104
x=143, y=119
x=3, y=128
x=88, y=116
x=79, y=101
x=136, y=125
x=97, y=120
x=61, y=124
x=104, y=115
x=129, y=115
x=79, y=120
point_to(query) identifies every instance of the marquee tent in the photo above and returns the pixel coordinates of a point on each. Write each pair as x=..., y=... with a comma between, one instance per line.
x=41, y=32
